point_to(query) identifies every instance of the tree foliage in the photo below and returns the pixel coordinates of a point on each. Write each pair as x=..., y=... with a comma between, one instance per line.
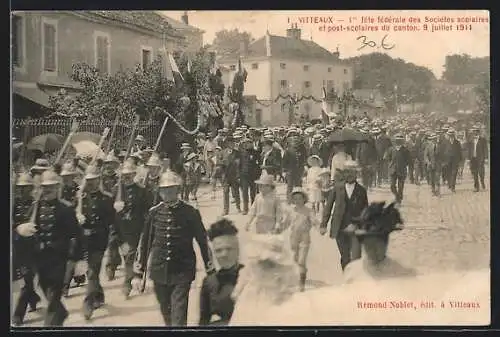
x=380, y=71
x=464, y=69
x=229, y=41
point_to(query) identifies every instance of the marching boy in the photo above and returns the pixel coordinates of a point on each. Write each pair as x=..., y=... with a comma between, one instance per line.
x=300, y=219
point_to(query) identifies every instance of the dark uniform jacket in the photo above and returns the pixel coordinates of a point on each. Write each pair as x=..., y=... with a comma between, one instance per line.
x=452, y=151
x=398, y=160
x=69, y=193
x=168, y=236
x=230, y=165
x=59, y=237
x=21, y=246
x=249, y=164
x=345, y=208
x=215, y=296
x=109, y=182
x=129, y=222
x=99, y=217
x=151, y=191
x=294, y=157
x=481, y=149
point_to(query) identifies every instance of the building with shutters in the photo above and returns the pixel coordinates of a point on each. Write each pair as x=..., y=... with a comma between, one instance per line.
x=45, y=45
x=283, y=66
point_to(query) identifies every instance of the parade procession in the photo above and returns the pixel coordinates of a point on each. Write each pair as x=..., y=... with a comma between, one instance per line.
x=212, y=219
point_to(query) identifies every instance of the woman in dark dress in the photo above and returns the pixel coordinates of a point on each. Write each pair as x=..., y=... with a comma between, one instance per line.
x=216, y=304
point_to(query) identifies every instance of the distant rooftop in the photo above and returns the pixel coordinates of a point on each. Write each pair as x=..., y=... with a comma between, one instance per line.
x=285, y=47
x=176, y=24
x=149, y=20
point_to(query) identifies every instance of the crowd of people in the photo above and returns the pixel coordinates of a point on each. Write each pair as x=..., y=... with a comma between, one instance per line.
x=138, y=208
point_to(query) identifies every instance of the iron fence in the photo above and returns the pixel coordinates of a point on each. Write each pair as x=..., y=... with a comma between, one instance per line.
x=29, y=128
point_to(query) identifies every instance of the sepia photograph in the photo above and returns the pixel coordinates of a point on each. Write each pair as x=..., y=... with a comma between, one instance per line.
x=202, y=168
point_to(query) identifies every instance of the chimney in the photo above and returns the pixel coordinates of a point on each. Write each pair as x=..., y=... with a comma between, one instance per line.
x=185, y=18
x=336, y=54
x=244, y=47
x=293, y=32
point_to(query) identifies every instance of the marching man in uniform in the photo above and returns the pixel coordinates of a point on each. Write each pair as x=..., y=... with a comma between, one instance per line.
x=23, y=201
x=56, y=239
x=168, y=235
x=129, y=220
x=109, y=180
x=97, y=215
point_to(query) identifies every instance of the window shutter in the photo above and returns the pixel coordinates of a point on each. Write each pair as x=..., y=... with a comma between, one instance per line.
x=49, y=47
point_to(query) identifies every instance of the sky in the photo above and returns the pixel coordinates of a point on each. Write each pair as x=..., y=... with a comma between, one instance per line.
x=424, y=48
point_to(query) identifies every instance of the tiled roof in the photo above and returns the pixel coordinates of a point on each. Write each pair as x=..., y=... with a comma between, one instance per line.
x=285, y=47
x=180, y=25
x=149, y=20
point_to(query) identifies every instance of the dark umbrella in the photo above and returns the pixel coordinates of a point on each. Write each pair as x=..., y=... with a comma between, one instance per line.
x=347, y=135
x=85, y=136
x=46, y=142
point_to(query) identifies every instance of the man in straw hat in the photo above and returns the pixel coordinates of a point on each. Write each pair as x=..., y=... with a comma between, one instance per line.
x=56, y=239
x=96, y=218
x=139, y=143
x=398, y=158
x=433, y=163
x=478, y=153
x=168, y=234
x=130, y=206
x=22, y=259
x=350, y=198
x=453, y=157
x=372, y=229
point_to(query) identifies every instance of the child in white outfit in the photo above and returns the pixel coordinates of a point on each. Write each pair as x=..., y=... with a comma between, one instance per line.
x=313, y=181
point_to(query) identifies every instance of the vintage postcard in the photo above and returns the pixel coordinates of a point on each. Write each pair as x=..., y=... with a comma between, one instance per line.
x=250, y=168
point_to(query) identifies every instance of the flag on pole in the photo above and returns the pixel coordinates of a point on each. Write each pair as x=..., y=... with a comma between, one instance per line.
x=178, y=79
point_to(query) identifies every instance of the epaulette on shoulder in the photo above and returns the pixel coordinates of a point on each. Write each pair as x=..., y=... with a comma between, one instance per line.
x=66, y=203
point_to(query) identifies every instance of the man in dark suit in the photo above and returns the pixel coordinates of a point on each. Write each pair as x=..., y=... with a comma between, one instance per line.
x=294, y=161
x=231, y=173
x=478, y=153
x=433, y=161
x=249, y=172
x=366, y=155
x=271, y=158
x=453, y=157
x=398, y=158
x=382, y=143
x=350, y=199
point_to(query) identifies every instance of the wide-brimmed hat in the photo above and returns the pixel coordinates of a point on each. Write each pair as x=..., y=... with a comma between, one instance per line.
x=317, y=136
x=92, y=172
x=154, y=160
x=24, y=179
x=450, y=131
x=300, y=190
x=266, y=179
x=41, y=164
x=432, y=135
x=311, y=158
x=376, y=219
x=169, y=179
x=476, y=127
x=399, y=136
x=49, y=177
x=129, y=167
x=68, y=169
x=139, y=138
x=185, y=146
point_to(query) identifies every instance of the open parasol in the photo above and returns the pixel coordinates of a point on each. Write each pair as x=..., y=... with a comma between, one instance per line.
x=347, y=135
x=46, y=142
x=85, y=136
x=86, y=148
